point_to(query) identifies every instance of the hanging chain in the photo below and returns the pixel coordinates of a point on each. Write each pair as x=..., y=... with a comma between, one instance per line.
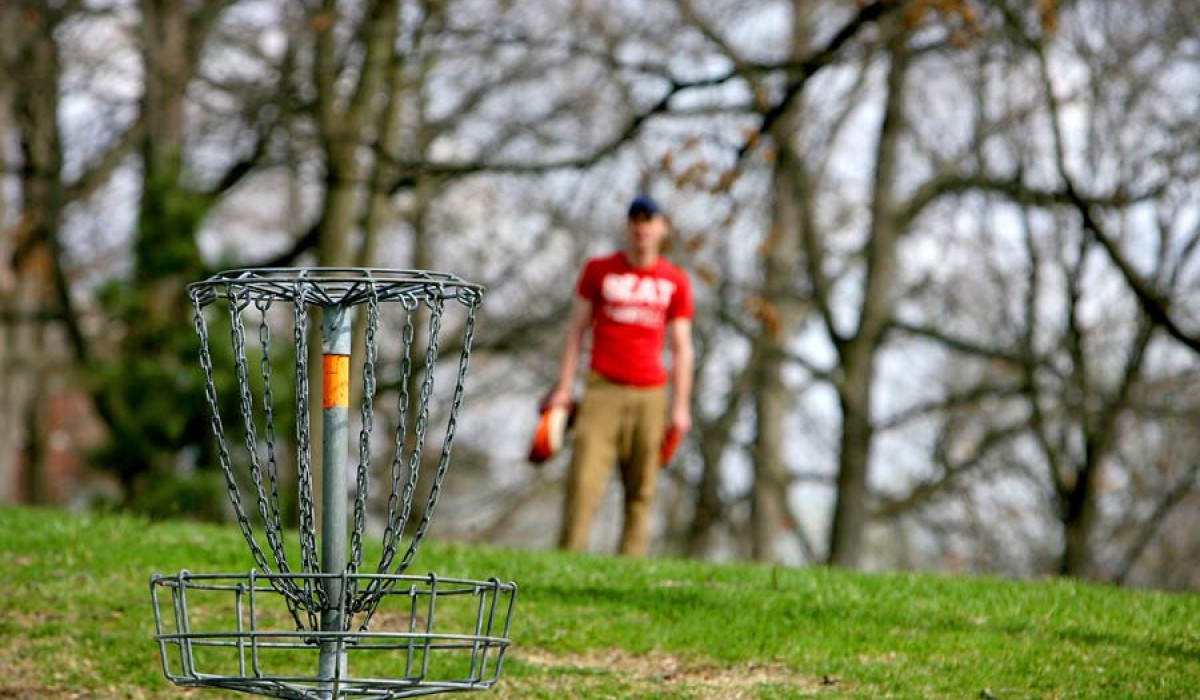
x=237, y=302
x=364, y=441
x=303, y=594
x=421, y=420
x=451, y=427
x=275, y=522
x=436, y=307
x=399, y=497
x=218, y=428
x=309, y=564
x=272, y=528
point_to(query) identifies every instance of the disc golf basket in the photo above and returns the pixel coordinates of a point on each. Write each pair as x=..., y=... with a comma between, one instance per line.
x=289, y=627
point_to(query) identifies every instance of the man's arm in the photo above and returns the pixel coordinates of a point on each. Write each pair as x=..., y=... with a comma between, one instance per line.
x=577, y=328
x=679, y=334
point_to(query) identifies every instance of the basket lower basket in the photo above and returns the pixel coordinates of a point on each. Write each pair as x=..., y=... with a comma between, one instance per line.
x=240, y=632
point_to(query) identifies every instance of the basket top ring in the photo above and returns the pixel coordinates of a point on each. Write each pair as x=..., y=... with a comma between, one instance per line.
x=334, y=286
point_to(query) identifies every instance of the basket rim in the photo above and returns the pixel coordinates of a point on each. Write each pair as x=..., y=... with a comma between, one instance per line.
x=432, y=578
x=334, y=286
x=243, y=657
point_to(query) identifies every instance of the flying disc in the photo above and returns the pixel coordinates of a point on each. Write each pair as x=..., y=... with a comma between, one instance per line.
x=670, y=442
x=549, y=435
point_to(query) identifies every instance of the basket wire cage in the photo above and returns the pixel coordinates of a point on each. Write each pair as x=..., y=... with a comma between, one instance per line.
x=312, y=590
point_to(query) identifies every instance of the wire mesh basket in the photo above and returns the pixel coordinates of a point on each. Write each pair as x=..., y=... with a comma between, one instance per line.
x=431, y=635
x=312, y=589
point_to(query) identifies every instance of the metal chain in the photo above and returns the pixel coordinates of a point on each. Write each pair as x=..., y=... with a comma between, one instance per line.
x=275, y=523
x=436, y=307
x=451, y=427
x=218, y=428
x=399, y=498
x=286, y=586
x=309, y=563
x=396, y=504
x=303, y=594
x=237, y=302
x=421, y=420
x=296, y=599
x=364, y=441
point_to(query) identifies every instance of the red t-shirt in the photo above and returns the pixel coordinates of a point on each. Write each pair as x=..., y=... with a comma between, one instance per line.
x=631, y=307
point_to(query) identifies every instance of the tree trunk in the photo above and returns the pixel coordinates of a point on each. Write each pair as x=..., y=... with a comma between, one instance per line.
x=778, y=316
x=778, y=320
x=857, y=353
x=851, y=515
x=36, y=117
x=708, y=515
x=1079, y=520
x=11, y=396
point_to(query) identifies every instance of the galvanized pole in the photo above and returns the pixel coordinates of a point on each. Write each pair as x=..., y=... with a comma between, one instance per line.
x=335, y=346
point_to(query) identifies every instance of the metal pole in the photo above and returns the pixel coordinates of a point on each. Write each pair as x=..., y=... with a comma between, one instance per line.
x=335, y=346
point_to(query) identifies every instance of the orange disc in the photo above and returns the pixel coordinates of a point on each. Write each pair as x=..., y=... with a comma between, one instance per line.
x=548, y=437
x=670, y=442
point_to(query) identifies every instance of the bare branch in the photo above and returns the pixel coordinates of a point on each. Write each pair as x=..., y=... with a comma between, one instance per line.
x=927, y=490
x=1154, y=522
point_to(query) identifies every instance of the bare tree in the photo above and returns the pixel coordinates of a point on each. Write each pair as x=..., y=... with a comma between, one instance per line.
x=944, y=250
x=1145, y=177
x=1060, y=354
x=35, y=293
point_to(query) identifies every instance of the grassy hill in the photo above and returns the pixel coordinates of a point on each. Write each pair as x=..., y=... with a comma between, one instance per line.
x=76, y=622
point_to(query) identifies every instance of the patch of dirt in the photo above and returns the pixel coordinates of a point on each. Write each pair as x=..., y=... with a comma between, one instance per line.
x=10, y=692
x=32, y=692
x=22, y=679
x=699, y=680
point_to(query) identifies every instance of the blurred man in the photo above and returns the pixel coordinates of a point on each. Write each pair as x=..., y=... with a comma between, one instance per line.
x=632, y=304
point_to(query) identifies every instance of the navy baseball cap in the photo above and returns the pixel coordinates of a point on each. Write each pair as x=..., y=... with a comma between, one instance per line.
x=644, y=205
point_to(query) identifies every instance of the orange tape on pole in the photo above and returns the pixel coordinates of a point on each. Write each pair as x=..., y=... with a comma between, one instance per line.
x=336, y=381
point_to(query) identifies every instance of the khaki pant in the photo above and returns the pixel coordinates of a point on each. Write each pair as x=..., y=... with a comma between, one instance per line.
x=621, y=425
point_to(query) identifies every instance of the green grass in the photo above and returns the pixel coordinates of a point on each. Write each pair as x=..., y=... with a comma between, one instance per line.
x=75, y=622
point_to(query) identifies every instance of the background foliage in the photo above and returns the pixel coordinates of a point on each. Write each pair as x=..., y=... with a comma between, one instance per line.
x=945, y=251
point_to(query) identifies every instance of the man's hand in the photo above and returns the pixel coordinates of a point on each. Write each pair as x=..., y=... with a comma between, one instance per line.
x=670, y=443
x=558, y=397
x=681, y=418
x=679, y=425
